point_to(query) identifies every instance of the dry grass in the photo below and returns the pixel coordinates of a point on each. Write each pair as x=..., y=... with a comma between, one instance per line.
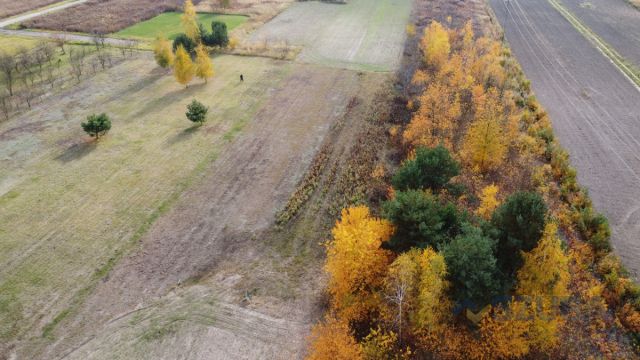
x=12, y=7
x=104, y=16
x=49, y=172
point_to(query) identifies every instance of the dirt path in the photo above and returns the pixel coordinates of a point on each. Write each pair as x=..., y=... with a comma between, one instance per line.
x=32, y=14
x=594, y=108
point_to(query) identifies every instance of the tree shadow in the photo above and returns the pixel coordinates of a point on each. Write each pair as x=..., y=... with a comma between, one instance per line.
x=76, y=151
x=183, y=135
x=168, y=98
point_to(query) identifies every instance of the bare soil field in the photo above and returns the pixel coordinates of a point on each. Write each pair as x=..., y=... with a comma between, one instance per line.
x=12, y=7
x=594, y=108
x=102, y=16
x=615, y=21
x=360, y=34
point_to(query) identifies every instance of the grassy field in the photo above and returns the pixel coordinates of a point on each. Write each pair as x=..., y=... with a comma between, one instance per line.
x=168, y=24
x=11, y=44
x=70, y=206
x=361, y=34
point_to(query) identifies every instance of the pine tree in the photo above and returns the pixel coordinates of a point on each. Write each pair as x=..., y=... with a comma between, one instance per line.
x=204, y=67
x=162, y=52
x=190, y=22
x=183, y=68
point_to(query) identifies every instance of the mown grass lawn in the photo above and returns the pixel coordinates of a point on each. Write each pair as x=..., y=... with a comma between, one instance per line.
x=168, y=24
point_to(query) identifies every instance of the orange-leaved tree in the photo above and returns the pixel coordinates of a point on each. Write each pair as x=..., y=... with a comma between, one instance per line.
x=435, y=121
x=356, y=263
x=333, y=340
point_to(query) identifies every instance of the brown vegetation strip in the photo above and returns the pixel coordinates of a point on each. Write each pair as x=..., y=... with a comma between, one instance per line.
x=12, y=7
x=104, y=16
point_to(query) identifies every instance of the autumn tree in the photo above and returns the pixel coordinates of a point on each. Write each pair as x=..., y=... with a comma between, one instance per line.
x=545, y=271
x=190, y=22
x=416, y=287
x=485, y=145
x=432, y=304
x=488, y=201
x=183, y=68
x=333, y=339
x=435, y=44
x=435, y=121
x=401, y=284
x=204, y=67
x=356, y=263
x=162, y=52
x=432, y=168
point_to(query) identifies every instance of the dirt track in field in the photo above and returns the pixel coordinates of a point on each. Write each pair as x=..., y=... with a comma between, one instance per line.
x=595, y=112
x=615, y=21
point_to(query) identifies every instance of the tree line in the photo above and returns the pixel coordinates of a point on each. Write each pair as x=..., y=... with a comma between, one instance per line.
x=473, y=255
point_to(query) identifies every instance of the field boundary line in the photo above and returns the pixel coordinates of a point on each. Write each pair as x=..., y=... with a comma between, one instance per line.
x=627, y=70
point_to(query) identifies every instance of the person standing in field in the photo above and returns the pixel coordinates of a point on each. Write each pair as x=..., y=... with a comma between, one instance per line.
x=241, y=77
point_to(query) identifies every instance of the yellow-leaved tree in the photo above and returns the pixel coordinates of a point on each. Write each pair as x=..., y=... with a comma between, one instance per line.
x=435, y=44
x=356, y=263
x=162, y=52
x=545, y=272
x=543, y=281
x=204, y=67
x=485, y=145
x=416, y=287
x=432, y=305
x=183, y=68
x=190, y=22
x=488, y=201
x=333, y=340
x=435, y=121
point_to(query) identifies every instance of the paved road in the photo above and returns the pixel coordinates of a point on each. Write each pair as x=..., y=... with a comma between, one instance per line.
x=595, y=111
x=30, y=15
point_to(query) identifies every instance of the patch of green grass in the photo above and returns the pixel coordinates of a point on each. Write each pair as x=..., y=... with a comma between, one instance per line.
x=11, y=44
x=168, y=24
